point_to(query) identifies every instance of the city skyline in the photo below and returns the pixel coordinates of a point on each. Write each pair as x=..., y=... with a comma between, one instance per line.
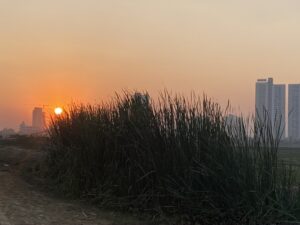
x=281, y=104
x=273, y=97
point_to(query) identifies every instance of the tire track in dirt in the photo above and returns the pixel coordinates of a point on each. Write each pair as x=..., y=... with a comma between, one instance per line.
x=22, y=204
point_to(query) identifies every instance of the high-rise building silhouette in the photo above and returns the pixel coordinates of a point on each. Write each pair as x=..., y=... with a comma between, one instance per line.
x=294, y=111
x=263, y=96
x=270, y=98
x=278, y=107
x=38, y=123
x=38, y=118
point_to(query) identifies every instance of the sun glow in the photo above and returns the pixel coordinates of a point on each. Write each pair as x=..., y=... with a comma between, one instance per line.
x=58, y=111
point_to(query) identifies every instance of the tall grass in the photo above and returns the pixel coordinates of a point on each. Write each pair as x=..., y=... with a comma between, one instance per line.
x=177, y=155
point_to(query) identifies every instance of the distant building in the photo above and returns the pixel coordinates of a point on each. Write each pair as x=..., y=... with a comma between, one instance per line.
x=233, y=121
x=7, y=133
x=270, y=99
x=141, y=98
x=38, y=119
x=38, y=123
x=294, y=112
x=263, y=96
x=278, y=107
x=28, y=130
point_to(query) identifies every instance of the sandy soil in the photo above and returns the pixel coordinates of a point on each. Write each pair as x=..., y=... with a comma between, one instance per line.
x=22, y=203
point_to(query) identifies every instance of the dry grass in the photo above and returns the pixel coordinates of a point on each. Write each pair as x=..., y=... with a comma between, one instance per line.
x=177, y=156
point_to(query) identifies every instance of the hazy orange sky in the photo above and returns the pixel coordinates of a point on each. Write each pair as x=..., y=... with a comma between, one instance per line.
x=53, y=52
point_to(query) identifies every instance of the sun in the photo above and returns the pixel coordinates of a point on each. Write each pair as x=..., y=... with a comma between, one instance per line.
x=58, y=110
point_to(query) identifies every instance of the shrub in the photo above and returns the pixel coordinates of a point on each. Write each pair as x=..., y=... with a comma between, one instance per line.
x=176, y=155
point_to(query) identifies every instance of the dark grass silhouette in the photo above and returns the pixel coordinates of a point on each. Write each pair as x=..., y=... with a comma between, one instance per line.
x=177, y=156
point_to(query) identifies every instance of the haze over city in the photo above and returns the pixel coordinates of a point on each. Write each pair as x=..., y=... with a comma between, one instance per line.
x=55, y=52
x=144, y=112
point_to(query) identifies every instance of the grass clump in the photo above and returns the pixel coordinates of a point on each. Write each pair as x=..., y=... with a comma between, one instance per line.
x=178, y=156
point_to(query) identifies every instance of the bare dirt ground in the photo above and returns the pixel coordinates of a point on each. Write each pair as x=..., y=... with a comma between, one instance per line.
x=22, y=203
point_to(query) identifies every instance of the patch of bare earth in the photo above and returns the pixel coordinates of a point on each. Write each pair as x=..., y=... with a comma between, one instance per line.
x=22, y=203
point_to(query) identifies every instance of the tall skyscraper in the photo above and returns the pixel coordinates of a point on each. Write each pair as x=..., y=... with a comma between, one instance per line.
x=270, y=97
x=294, y=112
x=263, y=96
x=278, y=107
x=38, y=118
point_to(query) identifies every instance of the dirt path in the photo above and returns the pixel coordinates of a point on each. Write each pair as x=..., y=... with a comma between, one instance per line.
x=21, y=203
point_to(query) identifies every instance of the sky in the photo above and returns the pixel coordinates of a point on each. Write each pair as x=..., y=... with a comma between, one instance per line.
x=60, y=51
